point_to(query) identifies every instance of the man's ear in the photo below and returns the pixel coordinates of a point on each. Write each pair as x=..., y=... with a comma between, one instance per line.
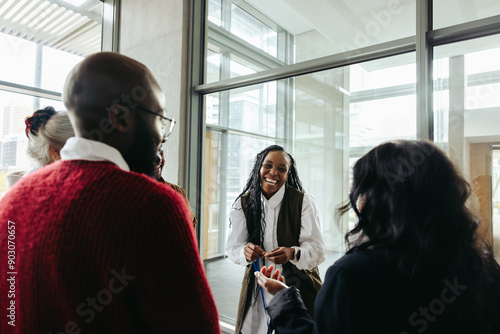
x=54, y=153
x=121, y=118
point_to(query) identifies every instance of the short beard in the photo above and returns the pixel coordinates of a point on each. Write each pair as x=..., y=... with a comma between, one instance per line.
x=142, y=155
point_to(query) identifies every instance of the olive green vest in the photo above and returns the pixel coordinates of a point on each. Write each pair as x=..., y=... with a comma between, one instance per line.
x=307, y=282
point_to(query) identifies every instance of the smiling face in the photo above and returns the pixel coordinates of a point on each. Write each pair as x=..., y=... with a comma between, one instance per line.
x=274, y=172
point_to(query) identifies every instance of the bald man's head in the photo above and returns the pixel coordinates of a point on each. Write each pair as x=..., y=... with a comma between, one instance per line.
x=102, y=79
x=105, y=96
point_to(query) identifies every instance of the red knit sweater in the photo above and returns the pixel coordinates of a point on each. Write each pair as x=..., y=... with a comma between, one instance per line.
x=100, y=250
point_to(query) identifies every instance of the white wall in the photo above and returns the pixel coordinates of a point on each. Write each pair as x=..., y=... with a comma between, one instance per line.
x=155, y=32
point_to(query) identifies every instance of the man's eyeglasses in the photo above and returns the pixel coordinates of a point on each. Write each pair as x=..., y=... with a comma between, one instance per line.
x=169, y=122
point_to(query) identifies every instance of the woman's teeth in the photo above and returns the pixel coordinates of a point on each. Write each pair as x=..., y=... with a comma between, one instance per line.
x=273, y=182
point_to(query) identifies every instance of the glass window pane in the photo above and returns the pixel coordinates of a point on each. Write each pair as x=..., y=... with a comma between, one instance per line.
x=451, y=12
x=253, y=31
x=213, y=66
x=56, y=65
x=223, y=64
x=332, y=118
x=212, y=108
x=214, y=11
x=37, y=65
x=467, y=114
x=14, y=108
x=238, y=68
x=17, y=60
x=254, y=109
x=333, y=27
x=384, y=73
x=239, y=160
x=395, y=118
x=271, y=34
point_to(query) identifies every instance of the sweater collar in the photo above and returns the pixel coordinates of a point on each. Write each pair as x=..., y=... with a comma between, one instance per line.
x=78, y=148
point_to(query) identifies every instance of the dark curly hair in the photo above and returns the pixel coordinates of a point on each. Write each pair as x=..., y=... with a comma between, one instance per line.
x=414, y=217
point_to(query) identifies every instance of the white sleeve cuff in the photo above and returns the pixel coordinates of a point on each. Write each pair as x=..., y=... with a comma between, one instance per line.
x=242, y=257
x=294, y=261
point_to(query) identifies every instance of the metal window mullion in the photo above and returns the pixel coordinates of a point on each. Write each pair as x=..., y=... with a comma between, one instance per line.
x=491, y=193
x=38, y=74
x=290, y=49
x=382, y=93
x=195, y=129
x=225, y=15
x=222, y=216
x=225, y=95
x=382, y=50
x=425, y=117
x=251, y=53
x=479, y=79
x=461, y=32
x=289, y=83
x=262, y=112
x=289, y=132
x=211, y=127
x=110, y=21
x=29, y=90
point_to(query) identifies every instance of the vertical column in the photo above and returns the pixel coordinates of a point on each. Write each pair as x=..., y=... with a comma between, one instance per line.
x=344, y=155
x=110, y=25
x=38, y=74
x=425, y=124
x=457, y=86
x=162, y=45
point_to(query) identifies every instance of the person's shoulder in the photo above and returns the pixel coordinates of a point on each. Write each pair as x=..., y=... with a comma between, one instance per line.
x=154, y=187
x=293, y=190
x=118, y=182
x=293, y=194
x=176, y=187
x=354, y=264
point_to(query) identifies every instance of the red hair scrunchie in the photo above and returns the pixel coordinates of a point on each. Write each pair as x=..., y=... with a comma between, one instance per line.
x=38, y=118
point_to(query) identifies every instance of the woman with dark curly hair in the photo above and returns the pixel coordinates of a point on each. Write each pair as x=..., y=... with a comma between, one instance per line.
x=415, y=263
x=273, y=220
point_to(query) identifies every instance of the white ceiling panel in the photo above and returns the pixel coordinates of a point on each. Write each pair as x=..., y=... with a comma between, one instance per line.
x=70, y=26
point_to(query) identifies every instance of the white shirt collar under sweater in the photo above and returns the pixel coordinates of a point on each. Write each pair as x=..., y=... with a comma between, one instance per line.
x=78, y=148
x=275, y=199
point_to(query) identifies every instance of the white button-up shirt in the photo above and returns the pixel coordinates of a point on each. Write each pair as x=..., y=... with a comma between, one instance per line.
x=311, y=246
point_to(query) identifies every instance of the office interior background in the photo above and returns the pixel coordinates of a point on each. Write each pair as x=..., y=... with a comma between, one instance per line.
x=326, y=79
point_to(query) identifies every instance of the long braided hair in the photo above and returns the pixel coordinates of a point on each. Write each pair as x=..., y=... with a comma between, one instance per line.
x=253, y=207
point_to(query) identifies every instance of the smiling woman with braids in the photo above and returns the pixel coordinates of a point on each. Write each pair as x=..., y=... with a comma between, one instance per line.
x=415, y=262
x=274, y=221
